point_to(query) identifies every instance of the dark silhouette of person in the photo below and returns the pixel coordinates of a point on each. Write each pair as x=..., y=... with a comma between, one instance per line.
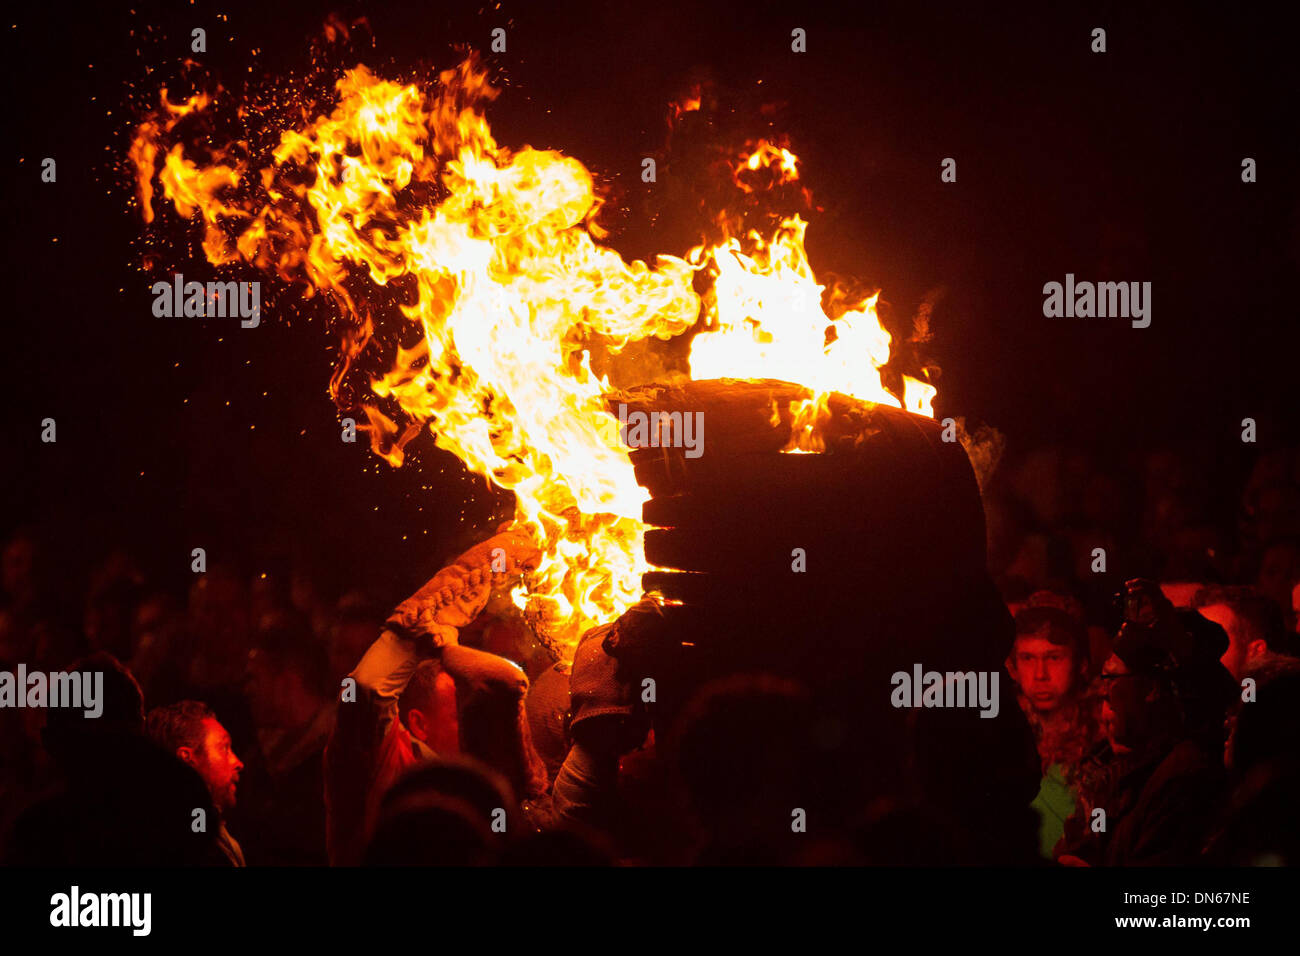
x=122, y=799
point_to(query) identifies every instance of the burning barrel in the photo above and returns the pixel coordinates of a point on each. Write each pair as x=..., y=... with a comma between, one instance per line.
x=837, y=568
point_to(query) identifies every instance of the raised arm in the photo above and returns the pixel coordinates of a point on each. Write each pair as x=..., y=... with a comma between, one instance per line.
x=424, y=625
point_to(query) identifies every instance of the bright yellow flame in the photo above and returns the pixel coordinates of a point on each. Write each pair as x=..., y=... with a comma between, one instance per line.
x=768, y=322
x=510, y=286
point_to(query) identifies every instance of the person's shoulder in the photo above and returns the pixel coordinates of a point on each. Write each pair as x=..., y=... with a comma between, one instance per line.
x=1190, y=756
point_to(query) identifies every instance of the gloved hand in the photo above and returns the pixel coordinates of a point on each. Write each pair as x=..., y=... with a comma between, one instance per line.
x=638, y=639
x=457, y=594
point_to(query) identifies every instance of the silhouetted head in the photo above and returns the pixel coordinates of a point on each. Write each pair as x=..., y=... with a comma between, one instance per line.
x=453, y=812
x=71, y=737
x=357, y=625
x=1267, y=727
x=746, y=750
x=288, y=677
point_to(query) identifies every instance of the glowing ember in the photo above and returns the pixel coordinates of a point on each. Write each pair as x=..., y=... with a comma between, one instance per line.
x=511, y=292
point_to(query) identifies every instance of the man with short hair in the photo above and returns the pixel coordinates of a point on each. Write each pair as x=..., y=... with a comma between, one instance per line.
x=1254, y=625
x=191, y=731
x=417, y=692
x=1049, y=663
x=1049, y=660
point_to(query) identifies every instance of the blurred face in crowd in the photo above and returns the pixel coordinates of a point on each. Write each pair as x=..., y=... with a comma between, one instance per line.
x=349, y=643
x=1044, y=671
x=218, y=619
x=17, y=577
x=1279, y=572
x=107, y=626
x=1295, y=606
x=266, y=689
x=1242, y=651
x=216, y=763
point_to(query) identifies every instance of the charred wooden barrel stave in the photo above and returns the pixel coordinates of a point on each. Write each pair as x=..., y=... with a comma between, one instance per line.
x=891, y=525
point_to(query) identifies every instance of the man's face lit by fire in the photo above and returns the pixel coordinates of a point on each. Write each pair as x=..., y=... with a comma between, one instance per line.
x=1045, y=672
x=216, y=763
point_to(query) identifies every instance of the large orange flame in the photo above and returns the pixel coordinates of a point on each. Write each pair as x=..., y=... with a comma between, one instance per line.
x=511, y=290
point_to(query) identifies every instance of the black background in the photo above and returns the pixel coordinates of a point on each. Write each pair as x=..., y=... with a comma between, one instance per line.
x=1117, y=166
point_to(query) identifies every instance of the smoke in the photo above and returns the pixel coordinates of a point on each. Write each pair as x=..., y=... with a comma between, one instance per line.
x=984, y=447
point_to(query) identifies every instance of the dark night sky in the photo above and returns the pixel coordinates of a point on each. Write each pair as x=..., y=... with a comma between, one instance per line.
x=1122, y=166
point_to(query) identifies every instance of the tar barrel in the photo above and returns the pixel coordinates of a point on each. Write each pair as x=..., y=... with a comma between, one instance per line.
x=837, y=568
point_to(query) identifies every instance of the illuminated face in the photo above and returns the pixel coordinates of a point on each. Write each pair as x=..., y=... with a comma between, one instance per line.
x=1044, y=671
x=217, y=764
